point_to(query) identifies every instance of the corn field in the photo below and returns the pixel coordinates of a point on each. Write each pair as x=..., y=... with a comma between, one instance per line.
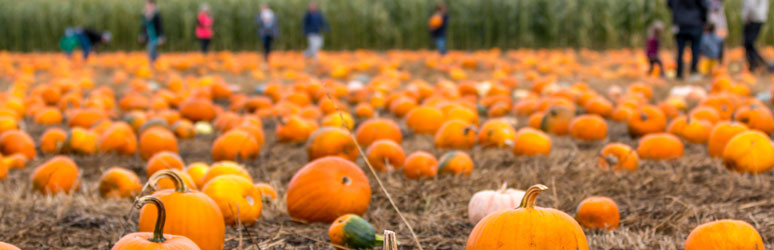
x=37, y=25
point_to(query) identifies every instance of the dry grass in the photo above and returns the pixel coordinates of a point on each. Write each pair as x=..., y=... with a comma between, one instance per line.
x=660, y=203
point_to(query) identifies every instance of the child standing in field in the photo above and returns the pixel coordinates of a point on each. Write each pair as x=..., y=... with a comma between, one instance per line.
x=314, y=26
x=437, y=24
x=711, y=47
x=268, y=29
x=204, y=28
x=151, y=32
x=652, y=46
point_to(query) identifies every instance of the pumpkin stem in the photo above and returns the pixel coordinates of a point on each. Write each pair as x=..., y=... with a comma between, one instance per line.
x=158, y=230
x=532, y=193
x=346, y=181
x=389, y=240
x=503, y=187
x=467, y=129
x=179, y=183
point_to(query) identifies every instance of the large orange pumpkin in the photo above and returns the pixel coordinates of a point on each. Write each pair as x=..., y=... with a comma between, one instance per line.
x=723, y=235
x=17, y=141
x=588, y=128
x=156, y=139
x=59, y=174
x=424, y=120
x=235, y=145
x=331, y=141
x=527, y=227
x=157, y=239
x=376, y=129
x=327, y=188
x=749, y=151
x=721, y=134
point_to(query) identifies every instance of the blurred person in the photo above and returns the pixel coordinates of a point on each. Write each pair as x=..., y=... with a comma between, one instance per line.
x=314, y=26
x=754, y=14
x=86, y=38
x=652, y=47
x=688, y=19
x=717, y=17
x=437, y=24
x=152, y=30
x=711, y=47
x=268, y=29
x=204, y=28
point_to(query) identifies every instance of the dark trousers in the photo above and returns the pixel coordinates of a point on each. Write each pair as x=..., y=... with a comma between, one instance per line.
x=267, y=40
x=655, y=61
x=685, y=35
x=205, y=45
x=751, y=31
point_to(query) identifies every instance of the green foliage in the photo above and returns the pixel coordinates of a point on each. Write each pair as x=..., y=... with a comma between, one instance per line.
x=29, y=25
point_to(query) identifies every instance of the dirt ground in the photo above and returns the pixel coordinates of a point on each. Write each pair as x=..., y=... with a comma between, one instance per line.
x=659, y=204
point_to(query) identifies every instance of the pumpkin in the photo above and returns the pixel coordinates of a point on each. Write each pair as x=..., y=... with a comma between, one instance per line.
x=705, y=113
x=197, y=171
x=354, y=232
x=435, y=21
x=119, y=183
x=207, y=230
x=327, y=188
x=455, y=134
x=618, y=156
x=364, y=110
x=136, y=119
x=235, y=145
x=535, y=120
x=295, y=129
x=420, y=165
x=3, y=171
x=724, y=234
x=154, y=122
x=58, y=174
x=155, y=140
x=660, y=146
x=648, y=119
x=599, y=106
x=266, y=190
x=184, y=129
x=163, y=160
x=588, y=128
x=52, y=141
x=227, y=121
x=455, y=162
x=224, y=168
x=556, y=120
x=528, y=227
x=721, y=133
x=496, y=133
x=163, y=182
x=17, y=141
x=81, y=141
x=530, y=141
x=14, y=161
x=157, y=240
x=424, y=120
x=749, y=151
x=85, y=118
x=8, y=123
x=691, y=129
x=331, y=141
x=118, y=138
x=48, y=116
x=756, y=117
x=6, y=246
x=378, y=128
x=384, y=154
x=198, y=109
x=339, y=119
x=487, y=202
x=237, y=198
x=622, y=114
x=598, y=212
x=402, y=105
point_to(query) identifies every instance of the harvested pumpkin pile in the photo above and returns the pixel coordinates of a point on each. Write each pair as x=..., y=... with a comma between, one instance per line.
x=237, y=154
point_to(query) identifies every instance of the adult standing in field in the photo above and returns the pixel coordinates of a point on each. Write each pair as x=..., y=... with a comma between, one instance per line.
x=204, y=28
x=314, y=26
x=437, y=24
x=86, y=38
x=688, y=19
x=754, y=14
x=268, y=29
x=717, y=18
x=151, y=32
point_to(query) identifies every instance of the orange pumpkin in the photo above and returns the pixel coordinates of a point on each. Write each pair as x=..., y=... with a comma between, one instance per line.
x=85, y=118
x=237, y=198
x=496, y=133
x=721, y=134
x=364, y=110
x=756, y=117
x=17, y=141
x=339, y=119
x=622, y=114
x=118, y=138
x=6, y=246
x=225, y=168
x=424, y=120
x=530, y=141
x=266, y=190
x=168, y=183
x=384, y=154
x=598, y=212
x=81, y=141
x=197, y=171
x=420, y=165
x=618, y=156
x=599, y=106
x=378, y=128
x=58, y=174
x=435, y=21
x=163, y=160
x=155, y=140
x=706, y=113
x=14, y=161
x=588, y=128
x=295, y=129
x=455, y=134
x=648, y=119
x=749, y=151
x=198, y=109
x=52, y=141
x=331, y=141
x=184, y=129
x=8, y=123
x=327, y=188
x=402, y=105
x=557, y=120
x=527, y=227
x=235, y=145
x=660, y=146
x=157, y=239
x=48, y=116
x=119, y=183
x=455, y=162
x=692, y=130
x=724, y=234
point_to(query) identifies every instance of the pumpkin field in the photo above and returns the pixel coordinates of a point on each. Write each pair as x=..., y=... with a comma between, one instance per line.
x=568, y=149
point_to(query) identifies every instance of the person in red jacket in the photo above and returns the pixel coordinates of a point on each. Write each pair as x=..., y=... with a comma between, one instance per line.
x=204, y=28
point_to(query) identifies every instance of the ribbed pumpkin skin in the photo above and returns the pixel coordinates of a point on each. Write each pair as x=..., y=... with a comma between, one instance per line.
x=528, y=229
x=191, y=214
x=724, y=234
x=319, y=193
x=352, y=231
x=139, y=241
x=331, y=141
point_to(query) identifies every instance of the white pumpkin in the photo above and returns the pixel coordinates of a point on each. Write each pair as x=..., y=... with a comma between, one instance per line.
x=487, y=202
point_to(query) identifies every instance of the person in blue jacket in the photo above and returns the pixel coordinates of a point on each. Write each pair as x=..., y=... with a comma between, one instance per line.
x=438, y=31
x=86, y=38
x=314, y=26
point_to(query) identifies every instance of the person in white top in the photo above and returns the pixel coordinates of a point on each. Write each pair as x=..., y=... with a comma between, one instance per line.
x=754, y=14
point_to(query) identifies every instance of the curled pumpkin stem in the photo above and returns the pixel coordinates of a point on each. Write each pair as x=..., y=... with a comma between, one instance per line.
x=531, y=196
x=179, y=183
x=158, y=230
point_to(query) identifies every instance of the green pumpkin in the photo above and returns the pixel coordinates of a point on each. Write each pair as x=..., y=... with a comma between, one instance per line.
x=352, y=231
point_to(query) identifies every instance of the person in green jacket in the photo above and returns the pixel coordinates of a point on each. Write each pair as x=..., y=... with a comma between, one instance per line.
x=152, y=31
